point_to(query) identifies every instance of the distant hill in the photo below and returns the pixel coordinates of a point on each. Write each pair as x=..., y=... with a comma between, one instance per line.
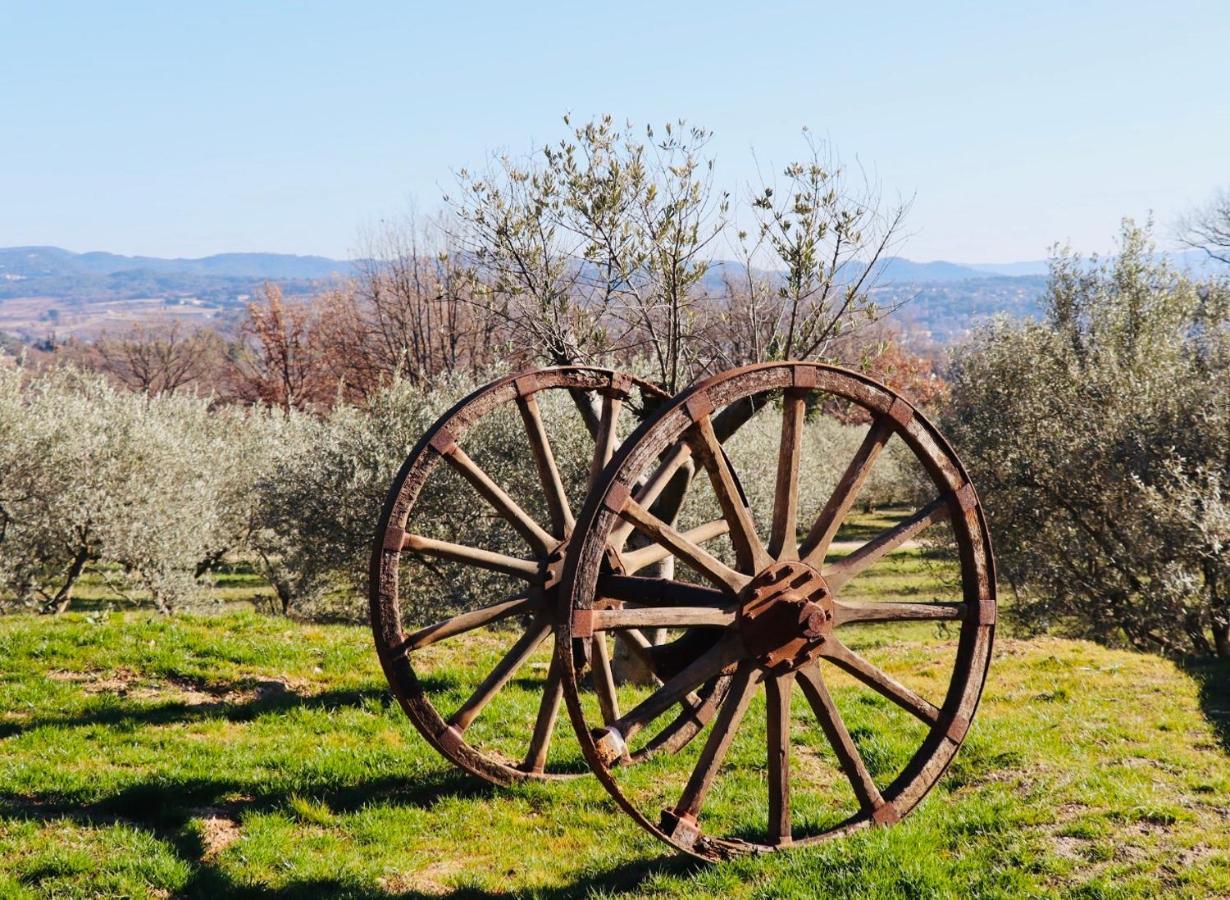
x=38, y=262
x=941, y=301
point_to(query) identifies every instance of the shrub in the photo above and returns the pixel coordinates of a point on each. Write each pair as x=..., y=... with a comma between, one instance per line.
x=1100, y=440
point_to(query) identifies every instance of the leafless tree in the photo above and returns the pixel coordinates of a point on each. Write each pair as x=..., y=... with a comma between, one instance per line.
x=411, y=310
x=159, y=357
x=278, y=361
x=1208, y=227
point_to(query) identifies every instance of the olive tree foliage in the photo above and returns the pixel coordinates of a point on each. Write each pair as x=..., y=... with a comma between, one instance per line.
x=318, y=497
x=1100, y=440
x=91, y=474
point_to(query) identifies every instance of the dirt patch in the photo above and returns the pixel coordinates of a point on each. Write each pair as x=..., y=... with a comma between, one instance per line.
x=130, y=685
x=430, y=880
x=1069, y=847
x=218, y=830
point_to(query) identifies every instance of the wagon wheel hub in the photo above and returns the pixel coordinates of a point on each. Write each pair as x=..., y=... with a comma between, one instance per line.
x=785, y=616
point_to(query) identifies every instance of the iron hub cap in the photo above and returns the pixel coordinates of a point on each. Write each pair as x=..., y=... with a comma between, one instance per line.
x=785, y=616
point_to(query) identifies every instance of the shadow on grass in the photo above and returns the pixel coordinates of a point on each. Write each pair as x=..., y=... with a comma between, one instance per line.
x=209, y=882
x=1213, y=676
x=165, y=807
x=131, y=715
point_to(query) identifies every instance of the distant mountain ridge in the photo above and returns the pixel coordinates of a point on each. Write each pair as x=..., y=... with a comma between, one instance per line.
x=34, y=262
x=939, y=301
x=20, y=263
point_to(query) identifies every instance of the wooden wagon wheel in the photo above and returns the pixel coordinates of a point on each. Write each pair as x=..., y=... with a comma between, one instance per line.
x=776, y=618
x=530, y=559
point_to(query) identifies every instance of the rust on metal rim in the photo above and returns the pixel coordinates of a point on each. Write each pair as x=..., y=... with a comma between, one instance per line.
x=778, y=619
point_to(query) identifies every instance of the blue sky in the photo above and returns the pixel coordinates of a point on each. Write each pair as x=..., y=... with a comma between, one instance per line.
x=169, y=129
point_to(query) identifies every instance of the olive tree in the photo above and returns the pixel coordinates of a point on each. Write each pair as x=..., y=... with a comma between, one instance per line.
x=92, y=474
x=1100, y=439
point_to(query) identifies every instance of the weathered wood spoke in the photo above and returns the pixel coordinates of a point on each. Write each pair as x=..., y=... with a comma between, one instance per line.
x=605, y=439
x=548, y=472
x=498, y=677
x=483, y=559
x=749, y=551
x=544, y=724
x=879, y=681
x=865, y=556
x=662, y=617
x=777, y=700
x=700, y=670
x=816, y=544
x=635, y=560
x=460, y=624
x=652, y=489
x=538, y=539
x=604, y=680
x=846, y=612
x=851, y=761
x=783, y=540
x=721, y=735
x=703, y=562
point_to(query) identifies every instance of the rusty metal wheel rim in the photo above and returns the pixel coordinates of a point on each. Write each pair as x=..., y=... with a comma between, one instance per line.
x=767, y=578
x=442, y=445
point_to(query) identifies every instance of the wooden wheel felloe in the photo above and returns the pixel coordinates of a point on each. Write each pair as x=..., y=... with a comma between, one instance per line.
x=774, y=612
x=450, y=527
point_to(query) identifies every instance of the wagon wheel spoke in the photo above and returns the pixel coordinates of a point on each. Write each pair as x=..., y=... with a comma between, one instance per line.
x=652, y=489
x=816, y=544
x=721, y=735
x=460, y=624
x=707, y=665
x=783, y=540
x=544, y=724
x=605, y=439
x=533, y=533
x=635, y=560
x=879, y=681
x=777, y=698
x=604, y=680
x=846, y=612
x=548, y=471
x=699, y=559
x=662, y=617
x=749, y=551
x=499, y=676
x=526, y=569
x=865, y=556
x=851, y=761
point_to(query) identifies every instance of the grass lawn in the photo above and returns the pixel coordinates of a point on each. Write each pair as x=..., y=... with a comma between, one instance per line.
x=241, y=754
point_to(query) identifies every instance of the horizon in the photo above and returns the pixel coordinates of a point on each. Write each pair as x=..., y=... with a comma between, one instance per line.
x=183, y=134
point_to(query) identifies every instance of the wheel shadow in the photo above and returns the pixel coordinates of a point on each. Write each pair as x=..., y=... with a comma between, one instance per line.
x=622, y=879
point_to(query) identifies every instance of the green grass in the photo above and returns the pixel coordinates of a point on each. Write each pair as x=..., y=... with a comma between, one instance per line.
x=240, y=754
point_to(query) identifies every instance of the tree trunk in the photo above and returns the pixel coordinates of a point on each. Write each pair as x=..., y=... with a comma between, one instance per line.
x=64, y=596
